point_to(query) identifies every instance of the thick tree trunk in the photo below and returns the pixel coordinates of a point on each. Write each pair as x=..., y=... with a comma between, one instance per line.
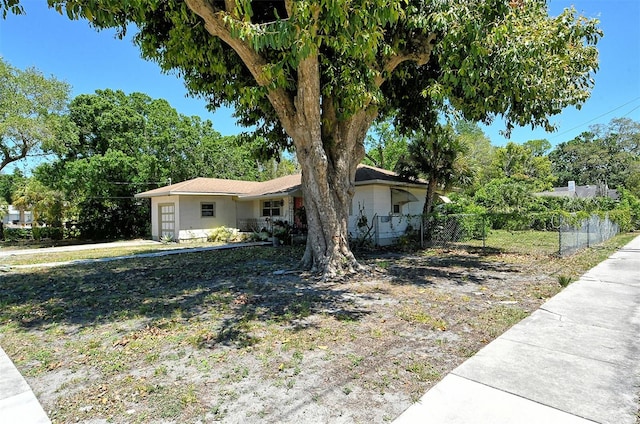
x=329, y=164
x=328, y=149
x=327, y=249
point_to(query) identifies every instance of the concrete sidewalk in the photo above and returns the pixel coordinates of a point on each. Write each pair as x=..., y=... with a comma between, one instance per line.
x=6, y=252
x=575, y=360
x=172, y=250
x=17, y=402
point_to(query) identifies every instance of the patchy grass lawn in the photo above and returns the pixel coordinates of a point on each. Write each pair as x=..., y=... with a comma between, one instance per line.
x=218, y=336
x=524, y=242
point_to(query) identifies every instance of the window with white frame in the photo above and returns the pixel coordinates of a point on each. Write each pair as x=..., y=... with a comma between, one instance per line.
x=271, y=207
x=208, y=210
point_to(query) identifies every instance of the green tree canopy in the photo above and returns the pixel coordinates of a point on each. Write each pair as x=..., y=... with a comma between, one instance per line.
x=606, y=154
x=9, y=183
x=45, y=204
x=506, y=195
x=316, y=74
x=479, y=153
x=519, y=162
x=32, y=113
x=126, y=144
x=385, y=145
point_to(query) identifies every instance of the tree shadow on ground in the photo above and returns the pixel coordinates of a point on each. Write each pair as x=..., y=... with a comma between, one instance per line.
x=454, y=268
x=235, y=287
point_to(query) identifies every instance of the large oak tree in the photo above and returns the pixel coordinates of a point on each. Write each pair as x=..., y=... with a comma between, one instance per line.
x=32, y=113
x=316, y=74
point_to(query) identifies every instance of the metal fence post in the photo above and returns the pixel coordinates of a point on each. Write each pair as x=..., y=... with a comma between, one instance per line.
x=484, y=232
x=560, y=236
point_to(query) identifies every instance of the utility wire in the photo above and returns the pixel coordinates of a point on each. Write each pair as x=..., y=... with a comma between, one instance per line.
x=598, y=117
x=628, y=113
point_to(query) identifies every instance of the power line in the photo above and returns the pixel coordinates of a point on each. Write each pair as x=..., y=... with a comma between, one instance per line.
x=140, y=183
x=598, y=117
x=627, y=114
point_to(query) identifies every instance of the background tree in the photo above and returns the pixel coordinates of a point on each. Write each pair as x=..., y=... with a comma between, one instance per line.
x=126, y=144
x=538, y=148
x=519, y=162
x=479, y=153
x=316, y=74
x=32, y=113
x=607, y=154
x=385, y=145
x=9, y=183
x=46, y=205
x=506, y=196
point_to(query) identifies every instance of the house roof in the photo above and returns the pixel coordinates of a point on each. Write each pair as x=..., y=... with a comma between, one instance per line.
x=203, y=186
x=286, y=185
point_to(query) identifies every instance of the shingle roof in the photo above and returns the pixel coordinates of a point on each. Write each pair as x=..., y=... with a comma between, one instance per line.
x=370, y=173
x=283, y=185
x=202, y=185
x=286, y=184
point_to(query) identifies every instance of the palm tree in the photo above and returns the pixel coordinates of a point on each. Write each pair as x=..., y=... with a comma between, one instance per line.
x=436, y=155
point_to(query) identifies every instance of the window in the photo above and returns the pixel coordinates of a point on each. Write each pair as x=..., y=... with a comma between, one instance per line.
x=396, y=208
x=207, y=210
x=271, y=207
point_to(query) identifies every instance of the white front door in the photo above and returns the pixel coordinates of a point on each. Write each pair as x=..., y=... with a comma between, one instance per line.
x=167, y=221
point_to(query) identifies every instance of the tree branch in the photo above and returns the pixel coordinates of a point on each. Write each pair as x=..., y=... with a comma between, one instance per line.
x=8, y=158
x=216, y=26
x=308, y=96
x=421, y=56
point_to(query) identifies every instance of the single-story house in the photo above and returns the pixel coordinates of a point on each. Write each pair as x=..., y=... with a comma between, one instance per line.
x=581, y=191
x=189, y=210
x=15, y=216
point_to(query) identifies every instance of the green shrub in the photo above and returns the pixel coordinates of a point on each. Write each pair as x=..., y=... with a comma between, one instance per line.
x=70, y=233
x=282, y=231
x=16, y=234
x=53, y=233
x=622, y=217
x=221, y=234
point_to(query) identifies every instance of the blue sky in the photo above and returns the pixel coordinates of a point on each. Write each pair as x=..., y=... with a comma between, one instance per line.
x=89, y=60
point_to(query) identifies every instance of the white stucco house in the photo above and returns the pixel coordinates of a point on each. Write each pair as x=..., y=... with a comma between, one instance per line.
x=189, y=210
x=15, y=216
x=572, y=190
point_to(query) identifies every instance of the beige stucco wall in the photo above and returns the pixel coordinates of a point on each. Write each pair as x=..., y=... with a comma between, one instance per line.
x=193, y=226
x=374, y=199
x=155, y=214
x=252, y=209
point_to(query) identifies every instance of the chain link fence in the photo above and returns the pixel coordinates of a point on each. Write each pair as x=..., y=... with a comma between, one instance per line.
x=531, y=233
x=584, y=233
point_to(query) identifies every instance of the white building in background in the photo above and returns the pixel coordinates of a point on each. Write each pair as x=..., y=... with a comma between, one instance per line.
x=17, y=217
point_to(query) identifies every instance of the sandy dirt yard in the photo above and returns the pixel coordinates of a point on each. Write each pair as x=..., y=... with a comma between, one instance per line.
x=227, y=337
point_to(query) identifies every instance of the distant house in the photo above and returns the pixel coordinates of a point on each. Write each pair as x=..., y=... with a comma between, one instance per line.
x=189, y=210
x=16, y=216
x=581, y=192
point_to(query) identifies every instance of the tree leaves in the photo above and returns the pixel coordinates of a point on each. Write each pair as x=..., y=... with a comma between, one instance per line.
x=31, y=113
